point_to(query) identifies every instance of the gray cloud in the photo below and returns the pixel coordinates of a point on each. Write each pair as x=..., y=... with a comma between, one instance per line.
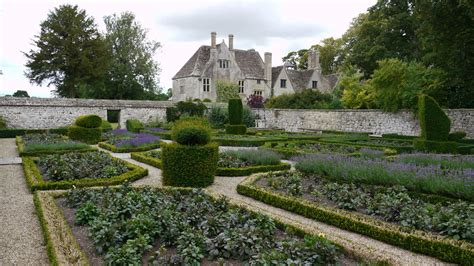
x=256, y=22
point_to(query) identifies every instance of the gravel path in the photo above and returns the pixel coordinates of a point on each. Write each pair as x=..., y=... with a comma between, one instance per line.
x=21, y=240
x=352, y=242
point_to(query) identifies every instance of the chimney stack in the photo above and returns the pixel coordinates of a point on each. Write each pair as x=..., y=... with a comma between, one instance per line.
x=213, y=40
x=268, y=67
x=231, y=41
x=313, y=59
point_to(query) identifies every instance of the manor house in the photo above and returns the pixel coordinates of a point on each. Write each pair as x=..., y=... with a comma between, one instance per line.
x=209, y=64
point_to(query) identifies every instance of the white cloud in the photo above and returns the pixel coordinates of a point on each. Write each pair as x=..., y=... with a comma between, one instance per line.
x=181, y=27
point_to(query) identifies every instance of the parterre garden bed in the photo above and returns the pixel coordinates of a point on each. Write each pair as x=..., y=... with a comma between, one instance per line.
x=121, y=140
x=47, y=143
x=132, y=226
x=63, y=171
x=231, y=163
x=420, y=202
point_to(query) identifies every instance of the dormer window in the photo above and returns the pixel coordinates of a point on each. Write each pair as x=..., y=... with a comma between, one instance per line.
x=224, y=63
x=314, y=85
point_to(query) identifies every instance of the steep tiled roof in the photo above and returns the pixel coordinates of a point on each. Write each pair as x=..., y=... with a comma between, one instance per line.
x=250, y=63
x=195, y=65
x=332, y=79
x=299, y=78
x=275, y=73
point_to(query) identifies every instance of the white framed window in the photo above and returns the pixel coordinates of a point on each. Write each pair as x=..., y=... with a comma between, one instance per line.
x=206, y=87
x=258, y=93
x=241, y=86
x=223, y=63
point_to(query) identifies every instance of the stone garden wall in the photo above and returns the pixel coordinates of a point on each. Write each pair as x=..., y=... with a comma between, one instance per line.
x=57, y=112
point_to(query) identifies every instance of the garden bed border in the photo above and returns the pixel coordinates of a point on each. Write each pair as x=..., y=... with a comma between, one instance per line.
x=20, y=143
x=113, y=148
x=446, y=249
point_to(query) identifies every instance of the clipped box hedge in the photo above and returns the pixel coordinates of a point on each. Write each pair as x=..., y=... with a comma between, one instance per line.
x=13, y=132
x=35, y=181
x=89, y=121
x=235, y=129
x=189, y=166
x=161, y=134
x=21, y=149
x=84, y=134
x=444, y=248
x=113, y=148
x=435, y=146
x=134, y=125
x=221, y=171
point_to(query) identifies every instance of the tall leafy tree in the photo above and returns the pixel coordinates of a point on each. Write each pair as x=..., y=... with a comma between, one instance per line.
x=70, y=52
x=21, y=93
x=133, y=73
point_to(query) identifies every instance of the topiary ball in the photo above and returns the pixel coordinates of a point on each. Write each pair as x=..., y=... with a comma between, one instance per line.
x=89, y=121
x=192, y=135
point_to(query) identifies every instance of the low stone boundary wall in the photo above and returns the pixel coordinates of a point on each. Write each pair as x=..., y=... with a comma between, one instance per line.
x=57, y=112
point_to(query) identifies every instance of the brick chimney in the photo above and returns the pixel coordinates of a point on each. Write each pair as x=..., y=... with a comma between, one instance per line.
x=268, y=67
x=231, y=41
x=213, y=39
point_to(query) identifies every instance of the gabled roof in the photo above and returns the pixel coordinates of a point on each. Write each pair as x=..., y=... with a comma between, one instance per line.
x=332, y=79
x=249, y=62
x=299, y=78
x=275, y=74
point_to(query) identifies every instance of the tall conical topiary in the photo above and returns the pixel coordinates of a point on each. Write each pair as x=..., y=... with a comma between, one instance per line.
x=435, y=126
x=235, y=125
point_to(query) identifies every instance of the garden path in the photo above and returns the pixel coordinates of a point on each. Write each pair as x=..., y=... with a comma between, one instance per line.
x=352, y=242
x=21, y=240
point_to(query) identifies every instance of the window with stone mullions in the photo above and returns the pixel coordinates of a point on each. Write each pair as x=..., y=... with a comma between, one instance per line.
x=223, y=63
x=241, y=86
x=206, y=85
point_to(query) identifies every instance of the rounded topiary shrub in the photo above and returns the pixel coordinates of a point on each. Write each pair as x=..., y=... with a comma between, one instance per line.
x=89, y=121
x=189, y=166
x=236, y=129
x=191, y=131
x=134, y=125
x=106, y=126
x=84, y=134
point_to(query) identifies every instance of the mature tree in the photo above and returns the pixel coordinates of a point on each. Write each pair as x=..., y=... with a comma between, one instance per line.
x=446, y=31
x=70, y=52
x=21, y=93
x=133, y=73
x=299, y=59
x=386, y=31
x=356, y=92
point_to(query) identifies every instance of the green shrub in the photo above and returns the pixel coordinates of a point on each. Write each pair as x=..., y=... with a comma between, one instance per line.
x=248, y=117
x=226, y=90
x=3, y=123
x=235, y=112
x=458, y=135
x=87, y=135
x=89, y=121
x=134, y=125
x=236, y=129
x=61, y=130
x=189, y=166
x=306, y=99
x=434, y=123
x=435, y=146
x=106, y=126
x=191, y=131
x=191, y=109
x=172, y=114
x=218, y=117
x=206, y=100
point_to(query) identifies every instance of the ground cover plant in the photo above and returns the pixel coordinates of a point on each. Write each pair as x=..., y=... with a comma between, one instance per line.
x=451, y=176
x=57, y=171
x=34, y=144
x=121, y=140
x=131, y=226
x=158, y=131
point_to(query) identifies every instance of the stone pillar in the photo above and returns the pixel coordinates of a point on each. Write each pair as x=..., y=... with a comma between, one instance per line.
x=213, y=39
x=231, y=41
x=268, y=67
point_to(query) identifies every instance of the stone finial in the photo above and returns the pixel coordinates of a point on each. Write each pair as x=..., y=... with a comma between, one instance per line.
x=213, y=39
x=231, y=41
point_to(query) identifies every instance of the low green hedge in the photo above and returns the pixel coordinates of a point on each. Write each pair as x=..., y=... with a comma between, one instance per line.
x=465, y=149
x=189, y=166
x=113, y=148
x=89, y=121
x=236, y=129
x=35, y=181
x=244, y=171
x=13, y=132
x=21, y=149
x=397, y=136
x=399, y=149
x=142, y=157
x=449, y=250
x=106, y=126
x=162, y=134
x=84, y=134
x=134, y=125
x=244, y=141
x=435, y=146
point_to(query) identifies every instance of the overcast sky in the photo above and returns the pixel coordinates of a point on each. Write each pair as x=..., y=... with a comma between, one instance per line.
x=181, y=26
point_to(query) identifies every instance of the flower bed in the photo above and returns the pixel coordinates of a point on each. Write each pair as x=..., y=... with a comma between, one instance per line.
x=231, y=163
x=451, y=176
x=35, y=144
x=171, y=227
x=157, y=131
x=389, y=214
x=62, y=171
x=121, y=140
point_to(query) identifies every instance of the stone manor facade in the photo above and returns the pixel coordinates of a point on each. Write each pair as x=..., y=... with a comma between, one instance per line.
x=218, y=62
